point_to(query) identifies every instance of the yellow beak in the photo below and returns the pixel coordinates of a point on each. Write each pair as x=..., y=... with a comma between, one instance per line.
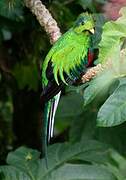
x=92, y=30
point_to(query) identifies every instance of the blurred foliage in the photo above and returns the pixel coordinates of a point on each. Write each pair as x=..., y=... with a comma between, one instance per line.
x=91, y=151
x=11, y=9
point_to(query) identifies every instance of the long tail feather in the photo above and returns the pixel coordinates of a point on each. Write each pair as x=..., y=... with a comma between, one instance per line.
x=53, y=109
x=48, y=124
x=44, y=131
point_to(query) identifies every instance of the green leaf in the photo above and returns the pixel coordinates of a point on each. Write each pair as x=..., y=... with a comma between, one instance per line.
x=110, y=45
x=114, y=136
x=118, y=165
x=12, y=173
x=70, y=106
x=113, y=111
x=23, y=163
x=25, y=160
x=100, y=20
x=119, y=159
x=60, y=154
x=62, y=158
x=81, y=172
x=113, y=31
x=99, y=86
x=86, y=126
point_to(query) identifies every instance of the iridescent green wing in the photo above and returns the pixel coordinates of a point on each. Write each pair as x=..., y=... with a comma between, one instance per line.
x=70, y=57
x=58, y=45
x=66, y=55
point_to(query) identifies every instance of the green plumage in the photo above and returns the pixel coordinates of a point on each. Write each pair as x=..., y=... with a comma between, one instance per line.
x=70, y=50
x=67, y=54
x=68, y=58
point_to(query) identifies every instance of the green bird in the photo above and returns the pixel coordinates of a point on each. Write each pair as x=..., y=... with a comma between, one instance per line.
x=65, y=63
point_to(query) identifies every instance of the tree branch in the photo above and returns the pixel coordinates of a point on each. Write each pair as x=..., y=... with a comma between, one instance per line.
x=91, y=73
x=44, y=18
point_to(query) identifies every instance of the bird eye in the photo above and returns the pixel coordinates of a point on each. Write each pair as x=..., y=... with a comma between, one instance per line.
x=82, y=23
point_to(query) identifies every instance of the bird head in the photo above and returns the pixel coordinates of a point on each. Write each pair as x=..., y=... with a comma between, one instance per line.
x=84, y=23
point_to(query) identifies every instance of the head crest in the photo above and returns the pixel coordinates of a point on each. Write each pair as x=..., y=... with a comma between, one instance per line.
x=84, y=17
x=84, y=22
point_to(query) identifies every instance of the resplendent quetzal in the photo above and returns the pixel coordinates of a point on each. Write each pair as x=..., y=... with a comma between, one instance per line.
x=65, y=63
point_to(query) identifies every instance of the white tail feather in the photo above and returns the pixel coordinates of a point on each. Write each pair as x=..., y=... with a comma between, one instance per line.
x=52, y=113
x=57, y=97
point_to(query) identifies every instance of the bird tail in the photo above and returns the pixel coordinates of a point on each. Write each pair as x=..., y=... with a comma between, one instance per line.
x=48, y=123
